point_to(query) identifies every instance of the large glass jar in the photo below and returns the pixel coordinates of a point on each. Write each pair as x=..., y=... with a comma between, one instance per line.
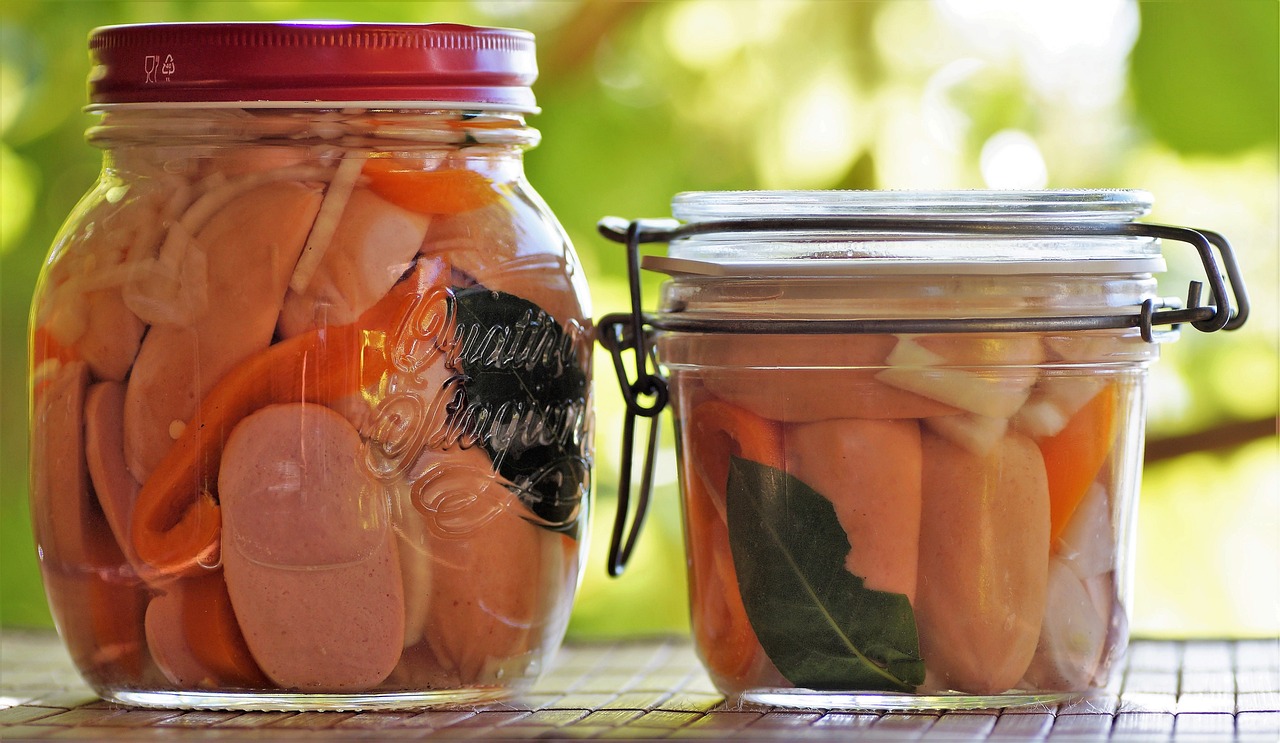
x=310, y=373
x=910, y=431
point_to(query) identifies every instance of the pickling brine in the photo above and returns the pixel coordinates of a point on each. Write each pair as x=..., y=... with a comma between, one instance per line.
x=311, y=402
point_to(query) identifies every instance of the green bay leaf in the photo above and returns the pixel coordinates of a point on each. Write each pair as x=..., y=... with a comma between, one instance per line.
x=818, y=623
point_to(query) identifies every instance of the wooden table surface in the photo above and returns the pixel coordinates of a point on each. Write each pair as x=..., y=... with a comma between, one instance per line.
x=642, y=689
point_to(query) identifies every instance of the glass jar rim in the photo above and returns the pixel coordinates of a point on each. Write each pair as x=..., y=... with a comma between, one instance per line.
x=1050, y=205
x=855, y=233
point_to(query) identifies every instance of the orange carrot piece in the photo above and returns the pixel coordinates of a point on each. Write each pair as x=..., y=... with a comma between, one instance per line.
x=45, y=347
x=213, y=635
x=717, y=430
x=1073, y=457
x=177, y=521
x=446, y=191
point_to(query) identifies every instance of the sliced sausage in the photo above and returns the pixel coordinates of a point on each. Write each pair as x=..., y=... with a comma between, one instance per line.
x=510, y=247
x=372, y=246
x=66, y=520
x=799, y=379
x=96, y=600
x=114, y=486
x=104, y=332
x=487, y=573
x=309, y=556
x=983, y=571
x=111, y=340
x=870, y=471
x=250, y=247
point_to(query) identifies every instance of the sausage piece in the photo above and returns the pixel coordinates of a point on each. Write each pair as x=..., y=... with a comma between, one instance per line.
x=116, y=489
x=97, y=323
x=309, y=556
x=96, y=600
x=487, y=573
x=250, y=249
x=372, y=246
x=870, y=471
x=65, y=518
x=798, y=379
x=507, y=246
x=984, y=562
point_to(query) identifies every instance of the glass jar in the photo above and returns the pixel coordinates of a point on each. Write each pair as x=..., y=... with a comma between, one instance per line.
x=909, y=430
x=311, y=374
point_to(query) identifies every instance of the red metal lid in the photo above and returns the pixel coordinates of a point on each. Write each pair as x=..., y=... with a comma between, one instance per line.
x=313, y=62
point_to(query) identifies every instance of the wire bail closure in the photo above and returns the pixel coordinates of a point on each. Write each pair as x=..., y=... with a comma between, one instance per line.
x=619, y=333
x=634, y=331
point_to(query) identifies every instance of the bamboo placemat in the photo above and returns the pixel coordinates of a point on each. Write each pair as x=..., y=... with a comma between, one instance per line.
x=646, y=689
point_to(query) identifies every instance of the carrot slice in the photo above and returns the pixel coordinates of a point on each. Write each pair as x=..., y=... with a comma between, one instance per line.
x=177, y=521
x=1073, y=456
x=46, y=356
x=194, y=636
x=716, y=430
x=447, y=191
x=45, y=347
x=213, y=633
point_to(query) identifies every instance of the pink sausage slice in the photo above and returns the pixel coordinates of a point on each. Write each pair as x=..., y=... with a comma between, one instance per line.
x=984, y=562
x=372, y=246
x=116, y=489
x=250, y=247
x=95, y=600
x=488, y=571
x=67, y=521
x=870, y=471
x=509, y=247
x=308, y=552
x=113, y=334
x=98, y=324
x=799, y=379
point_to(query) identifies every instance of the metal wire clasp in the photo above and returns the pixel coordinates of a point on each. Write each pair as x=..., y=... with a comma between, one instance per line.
x=633, y=331
x=646, y=396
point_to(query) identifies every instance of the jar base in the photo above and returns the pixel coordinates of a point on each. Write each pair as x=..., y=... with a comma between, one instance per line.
x=279, y=701
x=843, y=700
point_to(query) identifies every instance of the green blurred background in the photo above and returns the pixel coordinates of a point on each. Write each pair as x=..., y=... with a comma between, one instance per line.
x=644, y=99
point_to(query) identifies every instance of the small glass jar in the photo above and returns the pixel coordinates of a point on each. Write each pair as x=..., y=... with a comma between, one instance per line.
x=909, y=431
x=311, y=374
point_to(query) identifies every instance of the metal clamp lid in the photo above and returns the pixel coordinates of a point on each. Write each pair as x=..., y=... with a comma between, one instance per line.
x=633, y=331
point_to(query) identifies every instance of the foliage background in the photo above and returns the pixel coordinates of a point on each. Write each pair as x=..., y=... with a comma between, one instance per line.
x=644, y=99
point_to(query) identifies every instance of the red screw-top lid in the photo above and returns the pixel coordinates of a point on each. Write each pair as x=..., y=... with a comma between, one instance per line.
x=312, y=63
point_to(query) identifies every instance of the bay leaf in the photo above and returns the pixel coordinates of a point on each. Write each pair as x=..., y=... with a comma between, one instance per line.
x=819, y=624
